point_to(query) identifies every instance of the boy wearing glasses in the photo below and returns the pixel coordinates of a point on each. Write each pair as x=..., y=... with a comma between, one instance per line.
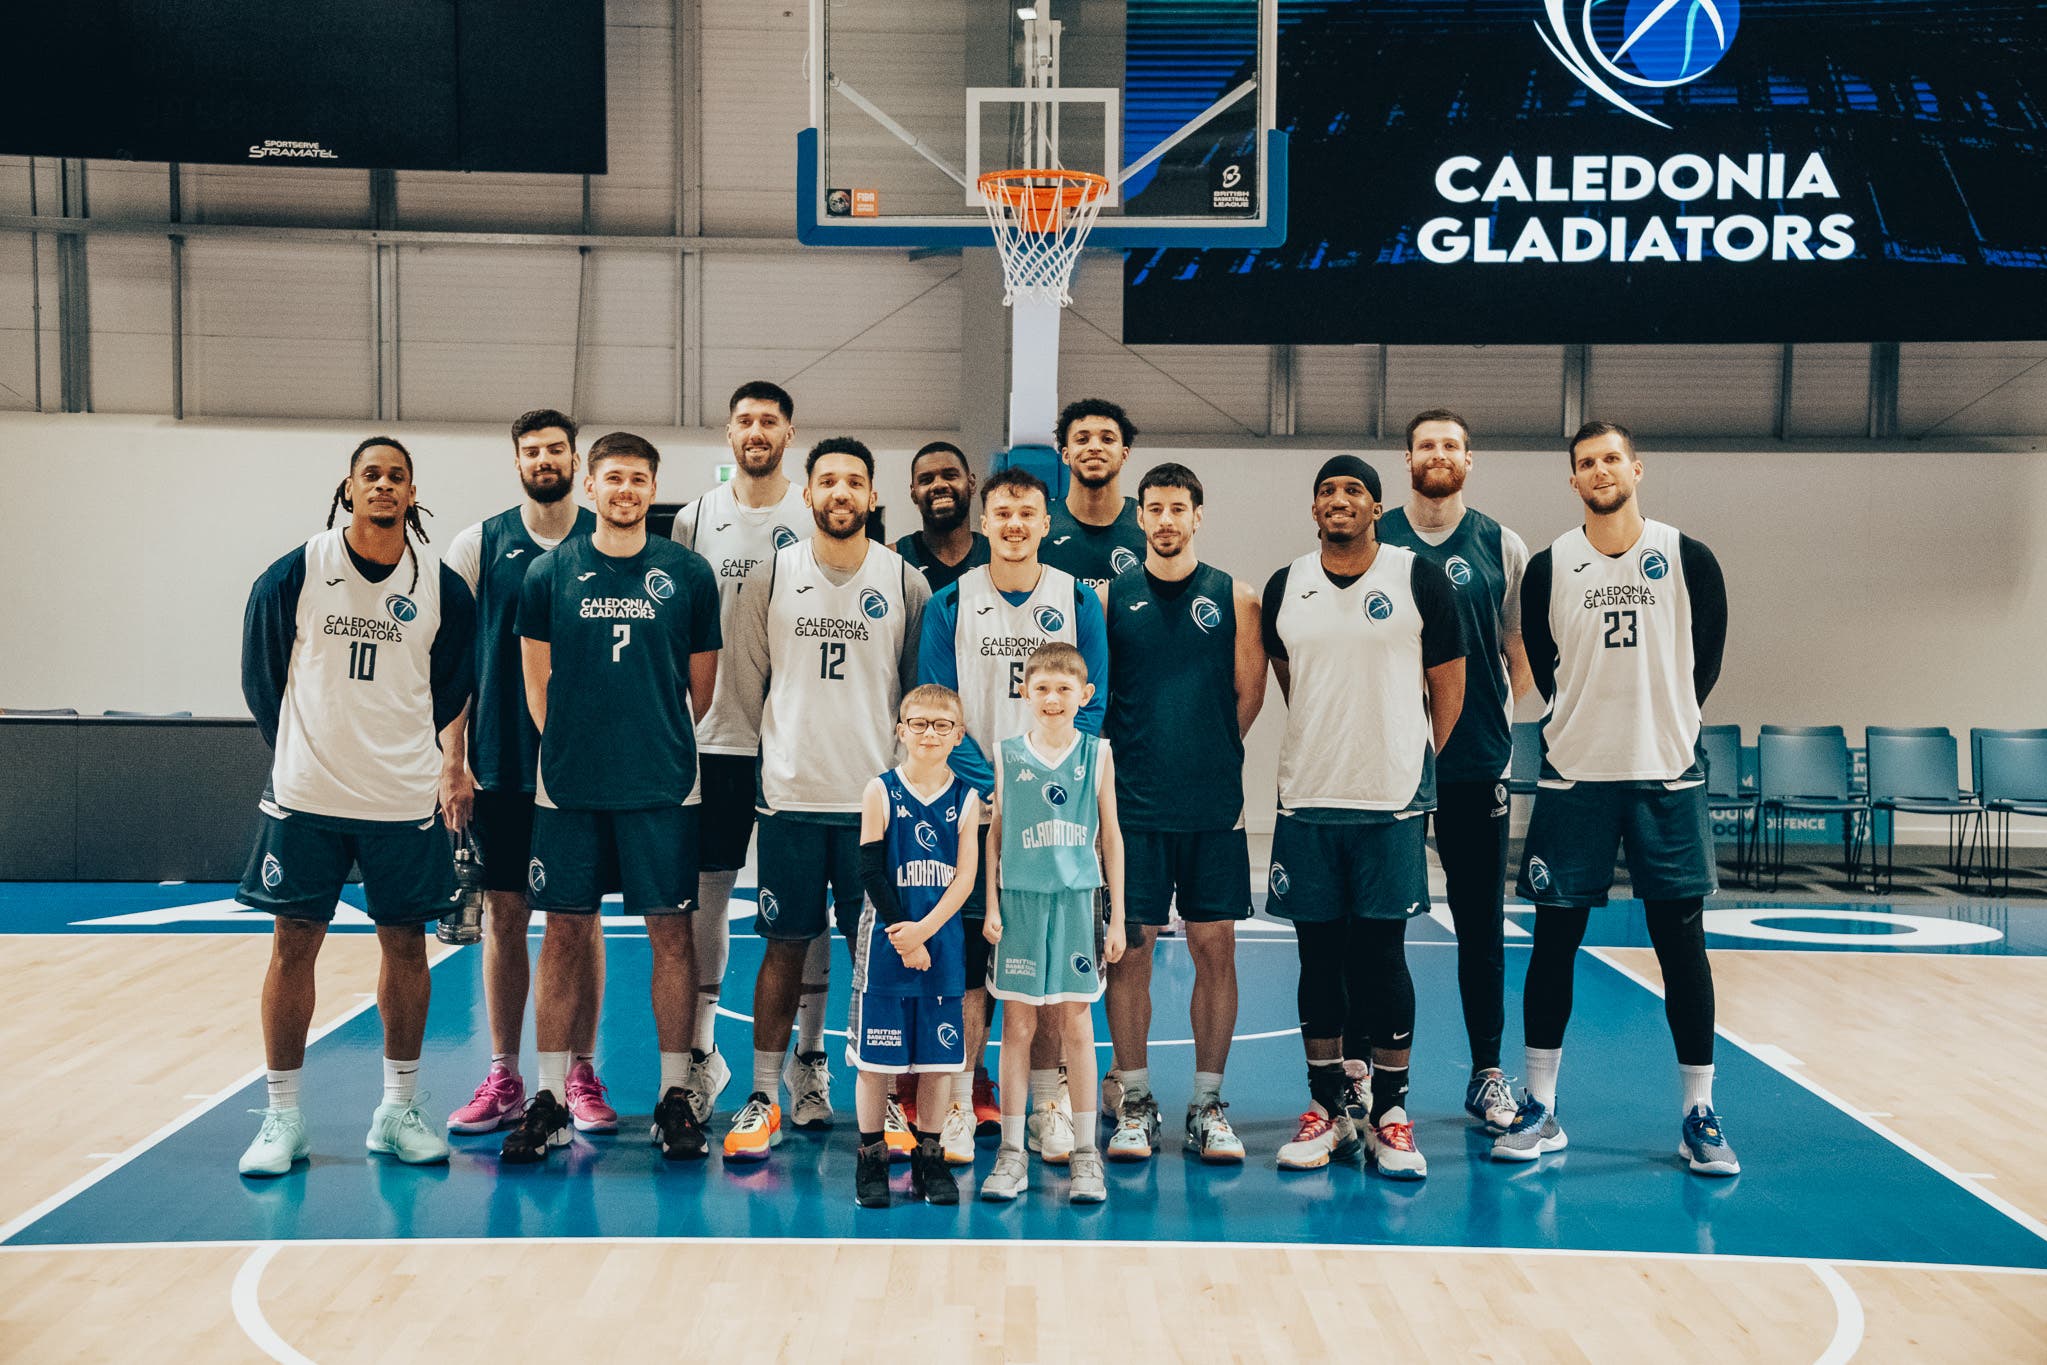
x=909, y=960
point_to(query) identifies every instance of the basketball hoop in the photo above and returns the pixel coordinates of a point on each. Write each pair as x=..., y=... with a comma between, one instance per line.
x=1041, y=219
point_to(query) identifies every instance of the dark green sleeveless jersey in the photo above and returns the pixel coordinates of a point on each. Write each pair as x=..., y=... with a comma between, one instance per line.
x=1094, y=554
x=1173, y=701
x=936, y=571
x=621, y=632
x=503, y=745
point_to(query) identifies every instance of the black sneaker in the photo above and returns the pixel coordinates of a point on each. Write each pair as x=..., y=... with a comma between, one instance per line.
x=544, y=1125
x=676, y=1130
x=930, y=1178
x=870, y=1176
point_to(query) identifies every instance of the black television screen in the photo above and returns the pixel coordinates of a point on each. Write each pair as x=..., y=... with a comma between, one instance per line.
x=1550, y=171
x=471, y=85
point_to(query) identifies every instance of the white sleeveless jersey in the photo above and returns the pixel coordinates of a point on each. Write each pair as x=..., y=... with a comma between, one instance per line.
x=355, y=732
x=835, y=651
x=992, y=640
x=1357, y=724
x=738, y=542
x=1625, y=707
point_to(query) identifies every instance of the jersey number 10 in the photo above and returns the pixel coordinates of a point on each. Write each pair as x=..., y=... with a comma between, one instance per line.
x=362, y=660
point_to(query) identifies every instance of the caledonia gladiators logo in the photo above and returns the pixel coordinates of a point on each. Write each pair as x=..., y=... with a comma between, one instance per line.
x=1644, y=44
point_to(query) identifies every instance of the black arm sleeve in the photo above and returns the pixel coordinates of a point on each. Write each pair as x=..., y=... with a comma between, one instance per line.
x=1442, y=626
x=880, y=890
x=452, y=657
x=1708, y=591
x=1268, y=614
x=1535, y=635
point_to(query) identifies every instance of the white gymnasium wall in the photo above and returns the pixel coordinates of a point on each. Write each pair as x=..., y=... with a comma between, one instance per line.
x=1885, y=588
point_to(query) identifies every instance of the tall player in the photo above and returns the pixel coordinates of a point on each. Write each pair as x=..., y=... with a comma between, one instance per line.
x=1369, y=653
x=619, y=636
x=487, y=762
x=1625, y=620
x=977, y=636
x=1094, y=534
x=356, y=653
x=818, y=663
x=738, y=526
x=942, y=489
x=1483, y=561
x=1186, y=679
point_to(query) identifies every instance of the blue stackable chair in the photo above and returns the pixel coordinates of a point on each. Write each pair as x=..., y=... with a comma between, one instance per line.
x=2011, y=775
x=1724, y=794
x=1912, y=770
x=1525, y=766
x=1803, y=769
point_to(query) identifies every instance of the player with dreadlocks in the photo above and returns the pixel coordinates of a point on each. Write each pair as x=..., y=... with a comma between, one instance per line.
x=350, y=681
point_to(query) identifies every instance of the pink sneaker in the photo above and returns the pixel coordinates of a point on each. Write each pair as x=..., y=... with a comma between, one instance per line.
x=586, y=1101
x=497, y=1103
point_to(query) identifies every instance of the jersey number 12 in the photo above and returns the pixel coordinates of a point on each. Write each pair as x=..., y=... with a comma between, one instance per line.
x=831, y=660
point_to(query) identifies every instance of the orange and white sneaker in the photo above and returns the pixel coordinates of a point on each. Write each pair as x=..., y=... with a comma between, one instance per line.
x=896, y=1134
x=755, y=1128
x=1319, y=1139
x=1390, y=1142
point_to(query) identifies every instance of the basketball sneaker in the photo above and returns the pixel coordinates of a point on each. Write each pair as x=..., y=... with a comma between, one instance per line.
x=1010, y=1178
x=1049, y=1132
x=544, y=1125
x=809, y=1078
x=1705, y=1146
x=400, y=1130
x=930, y=1178
x=1320, y=1138
x=497, y=1103
x=870, y=1176
x=1137, y=1129
x=1210, y=1136
x=755, y=1128
x=1085, y=1182
x=1390, y=1142
x=708, y=1077
x=281, y=1141
x=1488, y=1099
x=1534, y=1131
x=676, y=1130
x=895, y=1132
x=956, y=1138
x=987, y=1107
x=586, y=1101
x=1112, y=1091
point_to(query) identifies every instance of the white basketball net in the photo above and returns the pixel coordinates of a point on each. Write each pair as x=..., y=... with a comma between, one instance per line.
x=1041, y=220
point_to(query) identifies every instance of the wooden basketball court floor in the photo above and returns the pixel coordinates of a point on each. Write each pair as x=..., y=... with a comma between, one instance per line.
x=1879, y=1071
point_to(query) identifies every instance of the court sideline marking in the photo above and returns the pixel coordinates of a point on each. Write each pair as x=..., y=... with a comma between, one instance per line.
x=247, y=1300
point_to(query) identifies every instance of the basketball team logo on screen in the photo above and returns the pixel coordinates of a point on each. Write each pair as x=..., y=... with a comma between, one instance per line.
x=1645, y=45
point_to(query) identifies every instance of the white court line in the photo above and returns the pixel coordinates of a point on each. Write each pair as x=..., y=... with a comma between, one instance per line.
x=248, y=1306
x=1848, y=1324
x=1897, y=1139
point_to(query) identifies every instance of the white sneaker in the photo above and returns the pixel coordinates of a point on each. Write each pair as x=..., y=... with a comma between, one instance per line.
x=1209, y=1134
x=956, y=1138
x=1318, y=1140
x=1010, y=1178
x=809, y=1079
x=400, y=1130
x=708, y=1077
x=1137, y=1130
x=1049, y=1133
x=281, y=1142
x=895, y=1132
x=1390, y=1142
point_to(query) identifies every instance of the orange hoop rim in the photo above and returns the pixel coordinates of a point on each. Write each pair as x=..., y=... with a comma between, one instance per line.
x=1011, y=189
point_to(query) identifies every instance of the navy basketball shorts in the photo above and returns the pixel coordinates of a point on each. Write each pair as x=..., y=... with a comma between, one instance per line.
x=1324, y=872
x=1208, y=873
x=726, y=785
x=801, y=861
x=501, y=826
x=1576, y=831
x=652, y=853
x=300, y=863
x=896, y=1034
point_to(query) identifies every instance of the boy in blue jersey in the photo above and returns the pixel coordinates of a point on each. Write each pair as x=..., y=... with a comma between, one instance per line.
x=1055, y=796
x=909, y=957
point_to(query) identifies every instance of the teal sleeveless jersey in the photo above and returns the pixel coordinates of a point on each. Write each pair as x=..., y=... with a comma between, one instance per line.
x=503, y=745
x=1173, y=702
x=1472, y=558
x=1051, y=815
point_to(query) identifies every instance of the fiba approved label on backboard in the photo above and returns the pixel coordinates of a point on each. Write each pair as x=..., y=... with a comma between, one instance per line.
x=1233, y=186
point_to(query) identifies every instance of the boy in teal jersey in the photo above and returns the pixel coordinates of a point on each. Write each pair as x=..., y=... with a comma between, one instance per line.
x=1055, y=796
x=918, y=860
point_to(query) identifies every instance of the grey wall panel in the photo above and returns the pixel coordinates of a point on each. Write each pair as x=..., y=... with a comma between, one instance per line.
x=38, y=800
x=1333, y=390
x=1686, y=390
x=1989, y=388
x=754, y=104
x=1500, y=390
x=1829, y=389
x=130, y=280
x=163, y=802
x=278, y=329
x=137, y=191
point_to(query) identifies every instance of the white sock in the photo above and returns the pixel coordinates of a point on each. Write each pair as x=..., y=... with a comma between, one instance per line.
x=674, y=1073
x=284, y=1087
x=1044, y=1088
x=712, y=931
x=767, y=1073
x=817, y=980
x=1698, y=1084
x=1013, y=1131
x=963, y=1088
x=577, y=1059
x=554, y=1075
x=1084, y=1122
x=1136, y=1082
x=1543, y=1064
x=1208, y=1085
x=401, y=1081
x=507, y=1060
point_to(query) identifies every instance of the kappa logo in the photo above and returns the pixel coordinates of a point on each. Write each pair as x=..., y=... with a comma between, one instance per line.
x=536, y=876
x=1206, y=614
x=1459, y=569
x=1654, y=565
x=771, y=909
x=1538, y=874
x=1054, y=794
x=273, y=872
x=1050, y=619
x=873, y=604
x=1083, y=964
x=1378, y=606
x=402, y=608
x=927, y=837
x=948, y=1037
x=1026, y=775
x=784, y=537
x=1279, y=881
x=1646, y=45
x=1121, y=560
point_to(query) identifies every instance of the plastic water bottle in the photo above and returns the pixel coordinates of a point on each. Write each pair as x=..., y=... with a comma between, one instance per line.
x=464, y=924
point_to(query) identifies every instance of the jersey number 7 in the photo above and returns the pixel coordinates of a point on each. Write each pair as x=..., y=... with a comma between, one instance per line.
x=621, y=636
